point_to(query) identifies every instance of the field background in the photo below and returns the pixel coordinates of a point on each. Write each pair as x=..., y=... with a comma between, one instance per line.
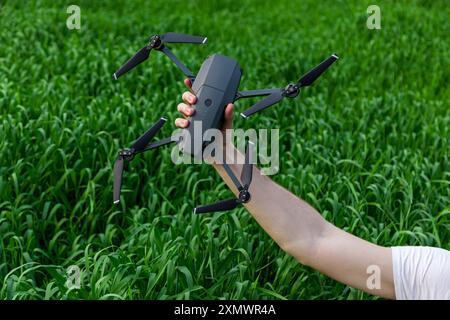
x=367, y=145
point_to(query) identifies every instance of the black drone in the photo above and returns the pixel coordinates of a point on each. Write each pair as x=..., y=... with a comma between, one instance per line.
x=215, y=85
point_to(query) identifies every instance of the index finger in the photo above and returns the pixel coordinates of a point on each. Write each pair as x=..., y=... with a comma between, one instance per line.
x=188, y=83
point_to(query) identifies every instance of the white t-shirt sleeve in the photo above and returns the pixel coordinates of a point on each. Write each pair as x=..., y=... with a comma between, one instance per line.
x=421, y=273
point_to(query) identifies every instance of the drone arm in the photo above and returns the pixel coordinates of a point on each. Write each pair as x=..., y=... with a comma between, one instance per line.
x=179, y=64
x=232, y=176
x=254, y=93
x=160, y=143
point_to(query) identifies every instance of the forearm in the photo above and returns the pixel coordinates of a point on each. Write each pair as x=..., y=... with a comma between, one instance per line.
x=290, y=221
x=303, y=233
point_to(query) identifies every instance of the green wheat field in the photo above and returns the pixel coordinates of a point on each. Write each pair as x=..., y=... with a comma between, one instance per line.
x=367, y=145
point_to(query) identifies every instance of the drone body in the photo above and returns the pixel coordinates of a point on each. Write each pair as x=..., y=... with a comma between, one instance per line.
x=215, y=85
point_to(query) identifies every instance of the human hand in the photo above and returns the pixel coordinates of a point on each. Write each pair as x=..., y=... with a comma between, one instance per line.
x=187, y=110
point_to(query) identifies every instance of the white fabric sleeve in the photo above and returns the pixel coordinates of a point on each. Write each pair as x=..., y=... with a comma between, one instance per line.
x=421, y=273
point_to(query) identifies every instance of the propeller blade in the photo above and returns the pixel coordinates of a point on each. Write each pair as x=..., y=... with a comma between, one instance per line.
x=138, y=58
x=224, y=205
x=247, y=169
x=308, y=78
x=172, y=37
x=143, y=141
x=264, y=103
x=118, y=171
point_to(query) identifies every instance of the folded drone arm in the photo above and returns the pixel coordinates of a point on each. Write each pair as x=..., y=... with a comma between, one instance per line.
x=188, y=73
x=232, y=176
x=160, y=143
x=254, y=93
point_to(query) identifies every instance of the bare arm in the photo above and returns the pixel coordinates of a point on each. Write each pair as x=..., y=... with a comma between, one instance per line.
x=302, y=232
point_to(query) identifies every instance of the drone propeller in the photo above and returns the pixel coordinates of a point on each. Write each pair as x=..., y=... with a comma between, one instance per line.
x=244, y=194
x=223, y=205
x=291, y=90
x=128, y=154
x=172, y=37
x=157, y=42
x=138, y=58
x=118, y=171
